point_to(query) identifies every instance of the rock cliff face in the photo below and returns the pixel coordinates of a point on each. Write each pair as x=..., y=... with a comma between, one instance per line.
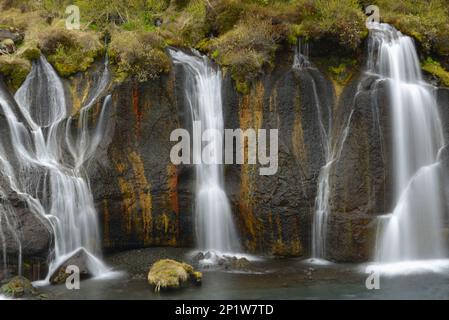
x=144, y=200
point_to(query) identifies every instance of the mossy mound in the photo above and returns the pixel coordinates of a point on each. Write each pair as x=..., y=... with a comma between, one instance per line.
x=19, y=287
x=70, y=51
x=171, y=274
x=138, y=55
x=15, y=69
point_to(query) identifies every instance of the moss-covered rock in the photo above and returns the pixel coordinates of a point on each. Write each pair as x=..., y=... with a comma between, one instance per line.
x=19, y=287
x=29, y=52
x=70, y=51
x=14, y=69
x=171, y=274
x=138, y=55
x=435, y=68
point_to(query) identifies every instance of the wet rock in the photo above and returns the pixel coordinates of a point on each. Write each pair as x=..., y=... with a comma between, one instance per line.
x=26, y=232
x=170, y=274
x=360, y=178
x=19, y=287
x=239, y=263
x=80, y=259
x=309, y=273
x=15, y=35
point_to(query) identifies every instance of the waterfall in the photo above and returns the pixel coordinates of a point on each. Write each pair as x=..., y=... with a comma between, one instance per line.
x=413, y=230
x=331, y=148
x=46, y=169
x=214, y=225
x=319, y=225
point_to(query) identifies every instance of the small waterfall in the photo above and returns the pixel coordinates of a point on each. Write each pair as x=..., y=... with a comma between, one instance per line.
x=300, y=63
x=413, y=230
x=301, y=57
x=214, y=225
x=49, y=173
x=332, y=150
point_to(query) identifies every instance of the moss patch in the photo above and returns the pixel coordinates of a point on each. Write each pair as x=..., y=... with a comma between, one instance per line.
x=435, y=68
x=70, y=51
x=15, y=70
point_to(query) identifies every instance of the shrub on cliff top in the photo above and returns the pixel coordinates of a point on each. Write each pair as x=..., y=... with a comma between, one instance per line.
x=139, y=55
x=247, y=48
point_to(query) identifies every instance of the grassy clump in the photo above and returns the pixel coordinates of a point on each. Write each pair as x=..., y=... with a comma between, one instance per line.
x=138, y=55
x=435, y=68
x=339, y=19
x=14, y=69
x=70, y=51
x=246, y=49
x=184, y=23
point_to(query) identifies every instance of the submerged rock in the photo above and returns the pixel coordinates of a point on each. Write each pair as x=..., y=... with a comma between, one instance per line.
x=19, y=287
x=80, y=259
x=171, y=274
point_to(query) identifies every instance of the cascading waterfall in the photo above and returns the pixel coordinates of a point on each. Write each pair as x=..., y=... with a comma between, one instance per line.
x=214, y=225
x=413, y=230
x=51, y=180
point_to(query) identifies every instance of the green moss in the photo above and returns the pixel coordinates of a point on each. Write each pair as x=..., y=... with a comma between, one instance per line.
x=70, y=51
x=29, y=52
x=435, y=68
x=242, y=86
x=15, y=70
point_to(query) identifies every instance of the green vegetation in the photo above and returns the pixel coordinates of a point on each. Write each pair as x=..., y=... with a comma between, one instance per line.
x=15, y=70
x=435, y=68
x=242, y=36
x=138, y=55
x=70, y=51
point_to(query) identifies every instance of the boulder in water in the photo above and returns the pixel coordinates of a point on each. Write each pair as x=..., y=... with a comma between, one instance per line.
x=171, y=274
x=80, y=259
